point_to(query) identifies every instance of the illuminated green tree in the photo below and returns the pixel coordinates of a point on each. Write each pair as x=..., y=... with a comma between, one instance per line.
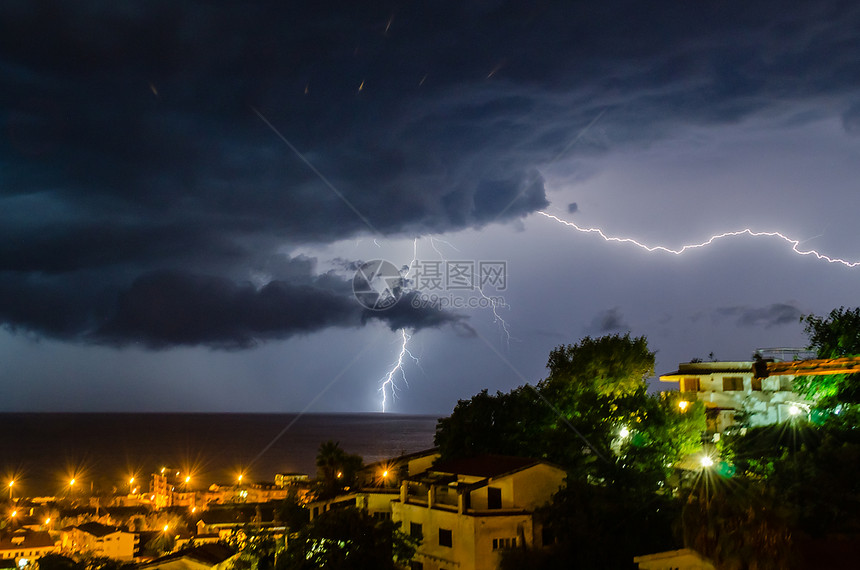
x=348, y=539
x=834, y=336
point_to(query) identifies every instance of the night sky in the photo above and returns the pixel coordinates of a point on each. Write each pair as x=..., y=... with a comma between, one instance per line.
x=187, y=189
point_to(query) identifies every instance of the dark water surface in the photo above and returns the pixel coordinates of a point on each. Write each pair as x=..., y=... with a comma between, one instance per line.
x=43, y=451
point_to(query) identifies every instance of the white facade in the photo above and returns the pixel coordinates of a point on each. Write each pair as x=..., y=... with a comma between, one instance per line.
x=467, y=512
x=729, y=387
x=26, y=545
x=100, y=540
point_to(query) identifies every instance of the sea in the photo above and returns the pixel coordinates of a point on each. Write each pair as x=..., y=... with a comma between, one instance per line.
x=43, y=452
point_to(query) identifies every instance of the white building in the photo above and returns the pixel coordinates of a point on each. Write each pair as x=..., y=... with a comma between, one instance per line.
x=467, y=511
x=24, y=545
x=100, y=540
x=730, y=387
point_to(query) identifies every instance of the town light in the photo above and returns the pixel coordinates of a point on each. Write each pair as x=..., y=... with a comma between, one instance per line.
x=166, y=527
x=706, y=461
x=339, y=474
x=683, y=404
x=11, y=483
x=793, y=410
x=72, y=482
x=187, y=479
x=624, y=433
x=385, y=473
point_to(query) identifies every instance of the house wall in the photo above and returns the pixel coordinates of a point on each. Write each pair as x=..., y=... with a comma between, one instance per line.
x=471, y=536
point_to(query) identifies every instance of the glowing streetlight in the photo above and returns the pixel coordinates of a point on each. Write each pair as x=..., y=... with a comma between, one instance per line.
x=385, y=473
x=624, y=433
x=240, y=478
x=683, y=405
x=706, y=461
x=11, y=483
x=187, y=479
x=794, y=410
x=166, y=527
x=339, y=474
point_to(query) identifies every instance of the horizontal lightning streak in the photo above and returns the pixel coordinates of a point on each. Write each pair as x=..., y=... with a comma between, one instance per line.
x=746, y=231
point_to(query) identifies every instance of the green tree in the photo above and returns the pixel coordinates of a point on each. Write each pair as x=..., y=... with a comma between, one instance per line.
x=292, y=513
x=512, y=423
x=592, y=415
x=347, y=539
x=834, y=336
x=739, y=526
x=257, y=547
x=336, y=469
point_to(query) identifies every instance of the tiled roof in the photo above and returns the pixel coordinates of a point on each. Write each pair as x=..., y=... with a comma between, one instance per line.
x=32, y=539
x=98, y=529
x=210, y=554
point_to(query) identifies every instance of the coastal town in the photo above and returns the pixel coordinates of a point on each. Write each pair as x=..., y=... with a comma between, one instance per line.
x=463, y=504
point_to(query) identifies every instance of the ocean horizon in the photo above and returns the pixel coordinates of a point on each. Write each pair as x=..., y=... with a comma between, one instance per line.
x=42, y=452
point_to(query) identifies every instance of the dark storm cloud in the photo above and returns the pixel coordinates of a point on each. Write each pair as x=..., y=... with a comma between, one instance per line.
x=161, y=309
x=773, y=315
x=133, y=159
x=168, y=309
x=610, y=320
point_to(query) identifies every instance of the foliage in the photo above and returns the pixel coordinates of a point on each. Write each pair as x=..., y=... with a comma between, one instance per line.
x=609, y=365
x=594, y=390
x=738, y=526
x=346, y=539
x=507, y=424
x=835, y=336
x=336, y=470
x=58, y=562
x=597, y=527
x=593, y=416
x=292, y=513
x=257, y=548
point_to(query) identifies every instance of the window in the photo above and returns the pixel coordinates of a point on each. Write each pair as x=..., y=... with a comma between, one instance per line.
x=733, y=383
x=504, y=543
x=445, y=538
x=416, y=530
x=689, y=385
x=756, y=384
x=494, y=498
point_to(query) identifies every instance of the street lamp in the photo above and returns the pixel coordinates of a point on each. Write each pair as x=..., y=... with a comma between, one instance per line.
x=10, y=489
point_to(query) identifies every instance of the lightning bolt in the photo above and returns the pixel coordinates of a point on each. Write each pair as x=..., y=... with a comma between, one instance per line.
x=746, y=231
x=497, y=318
x=389, y=381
